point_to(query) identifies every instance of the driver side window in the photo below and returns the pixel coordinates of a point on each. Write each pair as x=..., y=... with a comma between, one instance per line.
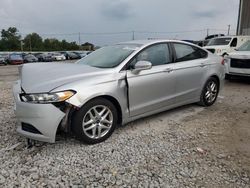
x=157, y=54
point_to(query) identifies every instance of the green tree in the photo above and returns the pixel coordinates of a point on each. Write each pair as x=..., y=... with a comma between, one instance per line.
x=52, y=44
x=73, y=46
x=11, y=40
x=33, y=42
x=64, y=45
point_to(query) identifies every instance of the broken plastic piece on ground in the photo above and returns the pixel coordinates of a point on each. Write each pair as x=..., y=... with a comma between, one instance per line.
x=11, y=147
x=200, y=150
x=221, y=97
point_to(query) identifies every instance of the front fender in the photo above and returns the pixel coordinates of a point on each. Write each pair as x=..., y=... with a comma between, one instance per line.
x=116, y=89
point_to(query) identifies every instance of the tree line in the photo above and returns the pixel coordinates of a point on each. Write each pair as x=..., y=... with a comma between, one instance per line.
x=12, y=41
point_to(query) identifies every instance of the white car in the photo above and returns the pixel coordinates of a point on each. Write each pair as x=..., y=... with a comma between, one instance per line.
x=224, y=45
x=58, y=57
x=238, y=63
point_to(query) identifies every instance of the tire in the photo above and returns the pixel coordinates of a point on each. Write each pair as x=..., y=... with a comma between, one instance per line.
x=209, y=92
x=97, y=127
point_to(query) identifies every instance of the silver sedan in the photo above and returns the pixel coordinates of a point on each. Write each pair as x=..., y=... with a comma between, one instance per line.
x=112, y=86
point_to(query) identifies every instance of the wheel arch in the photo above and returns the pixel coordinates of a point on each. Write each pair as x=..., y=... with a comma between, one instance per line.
x=217, y=78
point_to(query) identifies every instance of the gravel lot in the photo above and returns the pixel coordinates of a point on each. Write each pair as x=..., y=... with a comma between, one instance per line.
x=189, y=146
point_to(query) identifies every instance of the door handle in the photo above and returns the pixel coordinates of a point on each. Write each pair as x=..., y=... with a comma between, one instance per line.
x=168, y=70
x=202, y=65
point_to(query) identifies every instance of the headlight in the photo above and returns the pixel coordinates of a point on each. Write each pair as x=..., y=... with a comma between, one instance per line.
x=47, y=97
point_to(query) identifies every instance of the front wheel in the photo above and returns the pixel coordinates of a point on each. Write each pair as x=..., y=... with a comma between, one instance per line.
x=95, y=121
x=210, y=92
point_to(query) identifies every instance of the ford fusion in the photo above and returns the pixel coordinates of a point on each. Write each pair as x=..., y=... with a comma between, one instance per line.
x=113, y=86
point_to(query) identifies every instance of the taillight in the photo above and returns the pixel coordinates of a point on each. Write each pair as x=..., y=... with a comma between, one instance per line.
x=223, y=61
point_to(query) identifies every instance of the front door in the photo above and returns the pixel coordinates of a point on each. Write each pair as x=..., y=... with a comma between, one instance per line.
x=151, y=89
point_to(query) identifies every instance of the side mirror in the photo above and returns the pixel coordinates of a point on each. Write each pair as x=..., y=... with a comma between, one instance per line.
x=142, y=65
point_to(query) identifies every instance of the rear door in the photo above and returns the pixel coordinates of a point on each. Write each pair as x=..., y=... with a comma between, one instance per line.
x=151, y=89
x=190, y=69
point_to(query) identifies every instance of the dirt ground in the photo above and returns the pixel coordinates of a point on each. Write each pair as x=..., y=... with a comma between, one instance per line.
x=219, y=135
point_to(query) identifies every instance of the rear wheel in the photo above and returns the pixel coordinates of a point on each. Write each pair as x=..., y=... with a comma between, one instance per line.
x=95, y=121
x=210, y=92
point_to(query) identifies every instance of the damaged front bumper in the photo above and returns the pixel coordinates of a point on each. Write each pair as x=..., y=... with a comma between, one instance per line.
x=36, y=121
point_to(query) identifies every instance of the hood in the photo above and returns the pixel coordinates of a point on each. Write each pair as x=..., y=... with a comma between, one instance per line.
x=240, y=54
x=43, y=77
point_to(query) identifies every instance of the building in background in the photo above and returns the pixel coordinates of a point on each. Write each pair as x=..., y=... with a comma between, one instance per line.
x=243, y=27
x=87, y=46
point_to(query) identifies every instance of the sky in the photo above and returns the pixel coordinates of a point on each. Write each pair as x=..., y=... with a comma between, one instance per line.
x=104, y=22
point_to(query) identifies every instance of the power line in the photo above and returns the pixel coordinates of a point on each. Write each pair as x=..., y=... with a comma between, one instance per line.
x=115, y=33
x=169, y=32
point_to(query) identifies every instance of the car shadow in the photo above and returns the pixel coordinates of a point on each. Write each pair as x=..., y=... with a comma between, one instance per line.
x=175, y=114
x=240, y=79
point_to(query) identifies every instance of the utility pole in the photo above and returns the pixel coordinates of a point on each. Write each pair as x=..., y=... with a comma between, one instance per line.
x=79, y=40
x=207, y=32
x=228, y=31
x=30, y=43
x=133, y=35
x=21, y=43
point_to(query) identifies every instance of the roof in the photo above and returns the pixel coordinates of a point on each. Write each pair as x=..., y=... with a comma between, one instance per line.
x=146, y=42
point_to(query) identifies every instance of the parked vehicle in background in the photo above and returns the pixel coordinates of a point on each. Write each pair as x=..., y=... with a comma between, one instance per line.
x=214, y=36
x=15, y=59
x=2, y=60
x=44, y=57
x=112, y=86
x=224, y=45
x=209, y=37
x=71, y=55
x=58, y=57
x=81, y=54
x=238, y=63
x=30, y=58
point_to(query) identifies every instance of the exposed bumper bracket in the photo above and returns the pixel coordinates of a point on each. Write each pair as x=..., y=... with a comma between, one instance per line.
x=30, y=143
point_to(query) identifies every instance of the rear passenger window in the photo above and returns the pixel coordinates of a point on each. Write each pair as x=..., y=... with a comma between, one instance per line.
x=186, y=52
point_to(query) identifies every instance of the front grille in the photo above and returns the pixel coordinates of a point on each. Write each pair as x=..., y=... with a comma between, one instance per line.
x=240, y=63
x=30, y=128
x=211, y=50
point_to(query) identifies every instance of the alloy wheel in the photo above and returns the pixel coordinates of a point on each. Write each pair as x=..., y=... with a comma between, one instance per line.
x=97, y=121
x=211, y=91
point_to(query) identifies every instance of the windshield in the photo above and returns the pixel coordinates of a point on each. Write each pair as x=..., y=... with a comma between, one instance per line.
x=30, y=55
x=245, y=46
x=110, y=56
x=57, y=54
x=16, y=57
x=219, y=41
